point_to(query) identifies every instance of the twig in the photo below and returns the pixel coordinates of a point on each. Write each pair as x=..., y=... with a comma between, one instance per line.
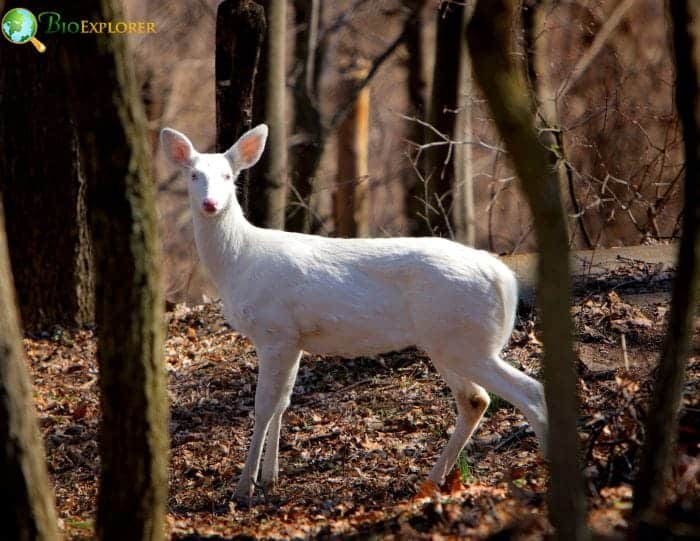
x=445, y=216
x=515, y=434
x=445, y=139
x=340, y=21
x=492, y=200
x=590, y=55
x=300, y=205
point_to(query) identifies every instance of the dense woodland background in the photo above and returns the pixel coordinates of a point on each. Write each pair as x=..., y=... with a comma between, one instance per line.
x=602, y=72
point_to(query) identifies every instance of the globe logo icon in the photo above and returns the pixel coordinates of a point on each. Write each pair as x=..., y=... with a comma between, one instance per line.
x=19, y=26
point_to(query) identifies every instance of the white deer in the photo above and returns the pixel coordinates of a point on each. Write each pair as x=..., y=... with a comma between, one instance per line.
x=290, y=293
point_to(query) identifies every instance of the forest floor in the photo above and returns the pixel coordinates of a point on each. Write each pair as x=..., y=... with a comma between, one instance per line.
x=362, y=434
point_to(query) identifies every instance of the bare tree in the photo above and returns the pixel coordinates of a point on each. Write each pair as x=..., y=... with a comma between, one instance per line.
x=434, y=194
x=489, y=34
x=311, y=128
x=662, y=420
x=43, y=189
x=240, y=30
x=30, y=513
x=415, y=61
x=307, y=144
x=416, y=83
x=268, y=187
x=129, y=302
x=536, y=45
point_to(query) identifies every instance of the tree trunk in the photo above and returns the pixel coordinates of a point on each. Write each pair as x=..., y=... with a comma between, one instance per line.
x=43, y=189
x=489, y=35
x=29, y=514
x=435, y=197
x=268, y=188
x=240, y=30
x=464, y=220
x=129, y=303
x=413, y=206
x=415, y=62
x=662, y=420
x=308, y=131
x=351, y=198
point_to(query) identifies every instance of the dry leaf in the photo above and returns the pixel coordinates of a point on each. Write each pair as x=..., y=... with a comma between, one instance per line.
x=453, y=484
x=80, y=411
x=427, y=489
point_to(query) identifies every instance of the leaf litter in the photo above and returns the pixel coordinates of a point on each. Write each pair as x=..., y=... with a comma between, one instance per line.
x=361, y=435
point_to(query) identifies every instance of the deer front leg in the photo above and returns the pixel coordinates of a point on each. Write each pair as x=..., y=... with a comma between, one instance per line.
x=277, y=370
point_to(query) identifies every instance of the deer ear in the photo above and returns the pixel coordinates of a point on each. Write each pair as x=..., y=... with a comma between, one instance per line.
x=248, y=149
x=177, y=147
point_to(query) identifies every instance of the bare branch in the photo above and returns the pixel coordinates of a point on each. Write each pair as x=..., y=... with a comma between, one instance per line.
x=590, y=55
x=340, y=21
x=345, y=109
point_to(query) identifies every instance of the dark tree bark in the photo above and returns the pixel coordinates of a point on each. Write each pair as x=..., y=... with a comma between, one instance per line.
x=489, y=36
x=415, y=60
x=42, y=188
x=434, y=200
x=662, y=420
x=416, y=93
x=240, y=30
x=129, y=303
x=28, y=513
x=268, y=187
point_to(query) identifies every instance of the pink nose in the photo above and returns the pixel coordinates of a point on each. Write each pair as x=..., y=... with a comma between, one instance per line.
x=209, y=205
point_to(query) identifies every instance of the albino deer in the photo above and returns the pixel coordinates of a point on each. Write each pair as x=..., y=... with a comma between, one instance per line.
x=290, y=292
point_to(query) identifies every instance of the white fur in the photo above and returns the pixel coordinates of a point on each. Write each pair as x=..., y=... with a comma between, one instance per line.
x=290, y=292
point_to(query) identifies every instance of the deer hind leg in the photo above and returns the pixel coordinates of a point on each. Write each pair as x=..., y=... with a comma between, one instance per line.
x=472, y=401
x=524, y=392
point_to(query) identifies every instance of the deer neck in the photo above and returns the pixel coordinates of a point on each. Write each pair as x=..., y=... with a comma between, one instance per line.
x=221, y=241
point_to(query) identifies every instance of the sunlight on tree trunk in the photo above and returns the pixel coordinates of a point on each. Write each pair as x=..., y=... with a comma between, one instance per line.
x=662, y=420
x=464, y=219
x=268, y=187
x=30, y=513
x=240, y=30
x=129, y=302
x=351, y=198
x=489, y=33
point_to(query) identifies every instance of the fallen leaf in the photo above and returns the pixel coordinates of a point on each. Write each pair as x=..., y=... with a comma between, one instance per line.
x=453, y=484
x=80, y=411
x=427, y=489
x=191, y=334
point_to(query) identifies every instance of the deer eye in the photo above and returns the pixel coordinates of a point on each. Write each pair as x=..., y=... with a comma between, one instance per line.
x=227, y=176
x=193, y=176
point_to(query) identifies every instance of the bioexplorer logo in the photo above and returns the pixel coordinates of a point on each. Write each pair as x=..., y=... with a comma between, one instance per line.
x=20, y=26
